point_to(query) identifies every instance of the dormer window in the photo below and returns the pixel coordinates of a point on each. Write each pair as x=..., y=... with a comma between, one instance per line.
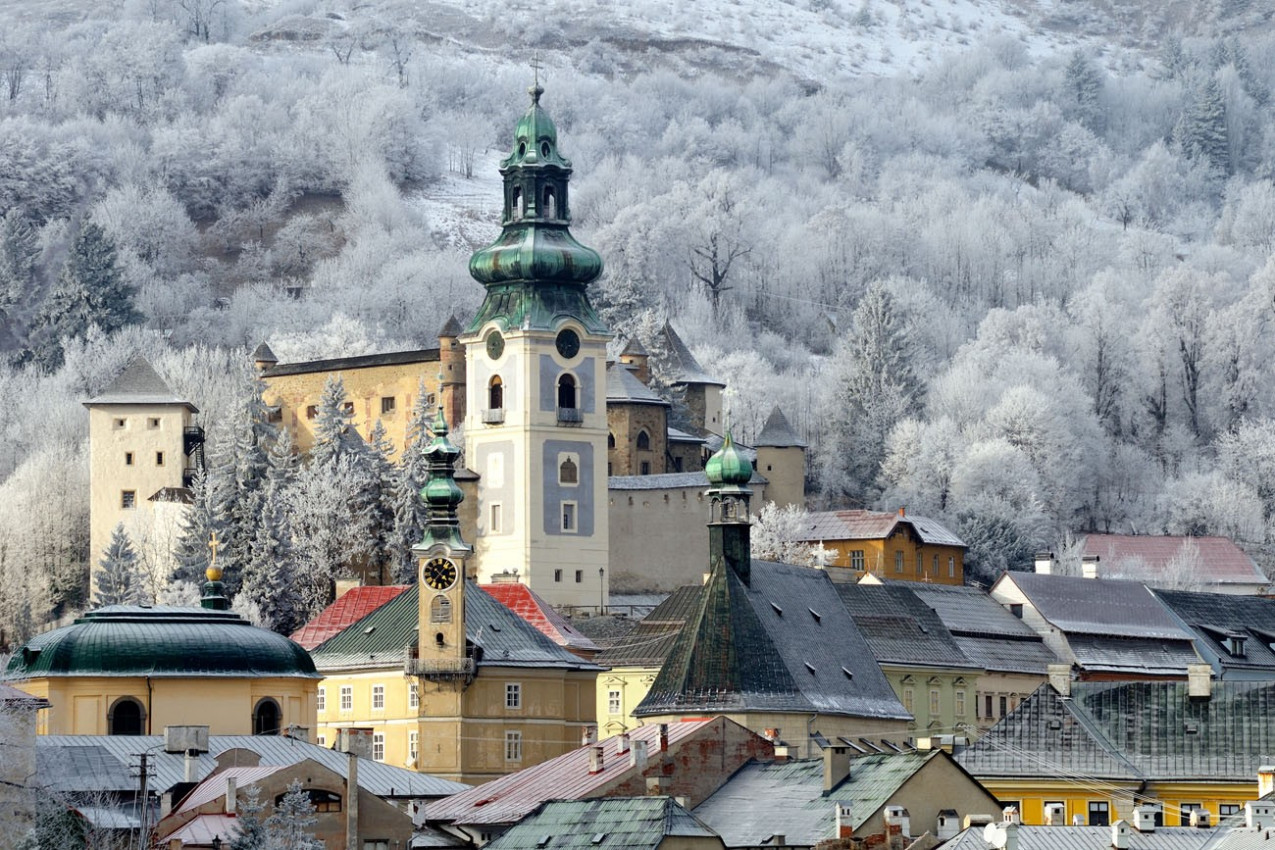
x=1235, y=645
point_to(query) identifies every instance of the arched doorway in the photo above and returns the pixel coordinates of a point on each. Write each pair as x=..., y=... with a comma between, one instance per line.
x=126, y=716
x=266, y=717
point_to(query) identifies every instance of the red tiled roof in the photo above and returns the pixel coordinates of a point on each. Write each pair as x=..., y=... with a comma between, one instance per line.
x=535, y=611
x=1222, y=562
x=354, y=605
x=567, y=777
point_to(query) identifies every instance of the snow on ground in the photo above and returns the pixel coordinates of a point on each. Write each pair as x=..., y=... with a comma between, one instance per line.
x=464, y=213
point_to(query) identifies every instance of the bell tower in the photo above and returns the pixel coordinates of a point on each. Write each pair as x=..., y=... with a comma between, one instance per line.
x=536, y=426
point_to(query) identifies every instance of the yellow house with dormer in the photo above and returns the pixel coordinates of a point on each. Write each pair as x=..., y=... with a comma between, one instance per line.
x=889, y=545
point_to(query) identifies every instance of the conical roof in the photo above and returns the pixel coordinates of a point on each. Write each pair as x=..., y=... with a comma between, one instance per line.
x=777, y=433
x=685, y=368
x=139, y=383
x=263, y=354
x=451, y=328
x=635, y=348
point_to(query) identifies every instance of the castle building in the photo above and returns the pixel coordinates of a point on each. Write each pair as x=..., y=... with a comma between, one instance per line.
x=132, y=670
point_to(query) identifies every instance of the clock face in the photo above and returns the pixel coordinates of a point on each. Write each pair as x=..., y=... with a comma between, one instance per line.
x=438, y=573
x=568, y=343
x=495, y=345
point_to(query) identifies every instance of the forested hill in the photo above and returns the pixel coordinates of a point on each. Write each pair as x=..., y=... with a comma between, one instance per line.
x=1002, y=261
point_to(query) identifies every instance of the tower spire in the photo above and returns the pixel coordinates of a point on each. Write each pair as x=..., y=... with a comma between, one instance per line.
x=441, y=493
x=729, y=472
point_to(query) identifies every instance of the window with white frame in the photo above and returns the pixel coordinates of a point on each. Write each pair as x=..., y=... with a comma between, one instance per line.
x=496, y=525
x=513, y=695
x=959, y=700
x=413, y=738
x=378, y=697
x=413, y=695
x=614, y=701
x=934, y=702
x=378, y=746
x=321, y=740
x=513, y=746
x=347, y=697
x=321, y=700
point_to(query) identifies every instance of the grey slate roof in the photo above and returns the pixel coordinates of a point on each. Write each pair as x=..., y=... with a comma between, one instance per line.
x=1097, y=606
x=1089, y=838
x=787, y=798
x=624, y=387
x=784, y=642
x=874, y=525
x=380, y=639
x=900, y=628
x=618, y=822
x=139, y=383
x=263, y=354
x=634, y=346
x=1212, y=617
x=777, y=433
x=988, y=635
x=451, y=327
x=1133, y=731
x=667, y=480
x=337, y=364
x=684, y=366
x=676, y=436
x=1134, y=656
x=102, y=763
x=650, y=642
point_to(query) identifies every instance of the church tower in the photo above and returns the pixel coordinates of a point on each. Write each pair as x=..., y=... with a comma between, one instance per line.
x=536, y=422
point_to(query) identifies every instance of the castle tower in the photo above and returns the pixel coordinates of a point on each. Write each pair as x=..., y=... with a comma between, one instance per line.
x=143, y=451
x=781, y=457
x=536, y=424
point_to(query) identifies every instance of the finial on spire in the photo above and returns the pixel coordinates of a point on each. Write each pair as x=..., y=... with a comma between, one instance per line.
x=213, y=573
x=536, y=89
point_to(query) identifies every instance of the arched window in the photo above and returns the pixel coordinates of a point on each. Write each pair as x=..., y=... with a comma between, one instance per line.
x=610, y=441
x=551, y=203
x=267, y=718
x=440, y=610
x=643, y=441
x=496, y=393
x=516, y=205
x=323, y=801
x=566, y=391
x=126, y=717
x=568, y=472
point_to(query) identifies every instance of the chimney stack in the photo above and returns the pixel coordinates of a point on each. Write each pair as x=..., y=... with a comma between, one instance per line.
x=1120, y=835
x=1201, y=818
x=352, y=802
x=656, y=786
x=230, y=795
x=1055, y=814
x=595, y=759
x=1045, y=563
x=1259, y=815
x=355, y=740
x=1060, y=678
x=1011, y=815
x=1144, y=818
x=1199, y=681
x=1089, y=566
x=637, y=756
x=898, y=816
x=1266, y=780
x=903, y=510
x=622, y=745
x=589, y=736
x=663, y=737
x=836, y=766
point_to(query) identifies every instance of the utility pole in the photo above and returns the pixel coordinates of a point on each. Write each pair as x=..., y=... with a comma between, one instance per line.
x=143, y=774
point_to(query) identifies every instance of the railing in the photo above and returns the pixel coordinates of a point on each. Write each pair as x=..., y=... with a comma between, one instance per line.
x=437, y=668
x=570, y=416
x=192, y=438
x=495, y=416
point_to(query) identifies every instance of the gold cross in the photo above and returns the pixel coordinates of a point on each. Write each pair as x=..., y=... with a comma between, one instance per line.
x=213, y=543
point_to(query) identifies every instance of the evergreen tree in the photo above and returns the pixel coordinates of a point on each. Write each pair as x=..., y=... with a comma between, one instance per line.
x=119, y=581
x=378, y=495
x=291, y=827
x=192, y=553
x=269, y=570
x=1201, y=130
x=409, y=508
x=238, y=472
x=18, y=250
x=1082, y=91
x=334, y=434
x=250, y=832
x=91, y=290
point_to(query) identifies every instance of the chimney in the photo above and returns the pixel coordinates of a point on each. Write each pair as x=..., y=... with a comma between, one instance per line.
x=1199, y=681
x=622, y=744
x=656, y=786
x=345, y=585
x=355, y=740
x=663, y=737
x=1077, y=820
x=1200, y=818
x=595, y=759
x=1003, y=836
x=637, y=756
x=1266, y=780
x=1144, y=818
x=845, y=821
x=1060, y=678
x=898, y=816
x=1089, y=566
x=836, y=766
x=948, y=825
x=903, y=510
x=230, y=795
x=1259, y=815
x=1011, y=815
x=1120, y=835
x=782, y=754
x=589, y=736
x=1055, y=814
x=352, y=803
x=1045, y=563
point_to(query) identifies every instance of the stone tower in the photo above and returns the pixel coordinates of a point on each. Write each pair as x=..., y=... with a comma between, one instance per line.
x=536, y=426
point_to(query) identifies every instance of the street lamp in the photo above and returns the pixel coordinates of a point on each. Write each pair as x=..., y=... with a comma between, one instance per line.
x=217, y=842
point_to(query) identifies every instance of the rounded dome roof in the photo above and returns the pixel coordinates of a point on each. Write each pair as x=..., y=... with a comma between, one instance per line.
x=131, y=640
x=729, y=465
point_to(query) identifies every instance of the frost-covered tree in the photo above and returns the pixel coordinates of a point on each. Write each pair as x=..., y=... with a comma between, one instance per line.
x=776, y=536
x=250, y=832
x=1202, y=128
x=334, y=434
x=119, y=579
x=269, y=570
x=291, y=826
x=198, y=526
x=411, y=475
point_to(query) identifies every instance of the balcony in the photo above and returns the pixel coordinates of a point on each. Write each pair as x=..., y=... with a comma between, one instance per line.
x=192, y=438
x=437, y=668
x=495, y=416
x=570, y=416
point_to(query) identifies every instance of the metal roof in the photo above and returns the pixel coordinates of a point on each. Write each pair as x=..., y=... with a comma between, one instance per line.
x=1214, y=616
x=139, y=383
x=1096, y=606
x=621, y=822
x=380, y=639
x=777, y=433
x=787, y=798
x=624, y=387
x=987, y=634
x=784, y=642
x=1132, y=655
x=668, y=481
x=874, y=525
x=1089, y=838
x=103, y=763
x=202, y=829
x=527, y=604
x=213, y=788
x=353, y=605
x=900, y=628
x=171, y=642
x=1135, y=731
x=650, y=642
x=338, y=364
x=509, y=798
x=1220, y=560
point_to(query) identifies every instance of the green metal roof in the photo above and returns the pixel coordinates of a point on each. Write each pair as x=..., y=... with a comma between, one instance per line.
x=131, y=640
x=617, y=822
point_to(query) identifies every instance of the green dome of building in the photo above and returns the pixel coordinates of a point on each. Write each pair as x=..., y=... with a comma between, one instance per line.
x=729, y=466
x=161, y=642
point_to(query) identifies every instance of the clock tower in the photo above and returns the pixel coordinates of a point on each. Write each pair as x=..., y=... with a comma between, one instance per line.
x=536, y=424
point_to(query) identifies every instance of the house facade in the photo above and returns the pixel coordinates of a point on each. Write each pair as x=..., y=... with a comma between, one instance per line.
x=888, y=545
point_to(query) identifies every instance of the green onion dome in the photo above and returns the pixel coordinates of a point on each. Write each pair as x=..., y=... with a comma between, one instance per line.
x=729, y=465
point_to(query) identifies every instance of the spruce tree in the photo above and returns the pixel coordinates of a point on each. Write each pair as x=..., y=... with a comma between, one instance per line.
x=192, y=553
x=334, y=434
x=250, y=832
x=1082, y=91
x=269, y=569
x=119, y=581
x=1201, y=130
x=91, y=290
x=409, y=508
x=378, y=496
x=291, y=827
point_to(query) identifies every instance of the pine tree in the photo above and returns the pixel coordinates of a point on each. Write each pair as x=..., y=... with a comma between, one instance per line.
x=334, y=434
x=91, y=290
x=291, y=827
x=378, y=496
x=118, y=581
x=1082, y=91
x=18, y=250
x=409, y=508
x=269, y=570
x=192, y=553
x=250, y=832
x=238, y=473
x=1201, y=130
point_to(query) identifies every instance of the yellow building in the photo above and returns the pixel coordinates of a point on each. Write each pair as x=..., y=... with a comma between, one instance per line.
x=888, y=545
x=451, y=682
x=1094, y=750
x=131, y=670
